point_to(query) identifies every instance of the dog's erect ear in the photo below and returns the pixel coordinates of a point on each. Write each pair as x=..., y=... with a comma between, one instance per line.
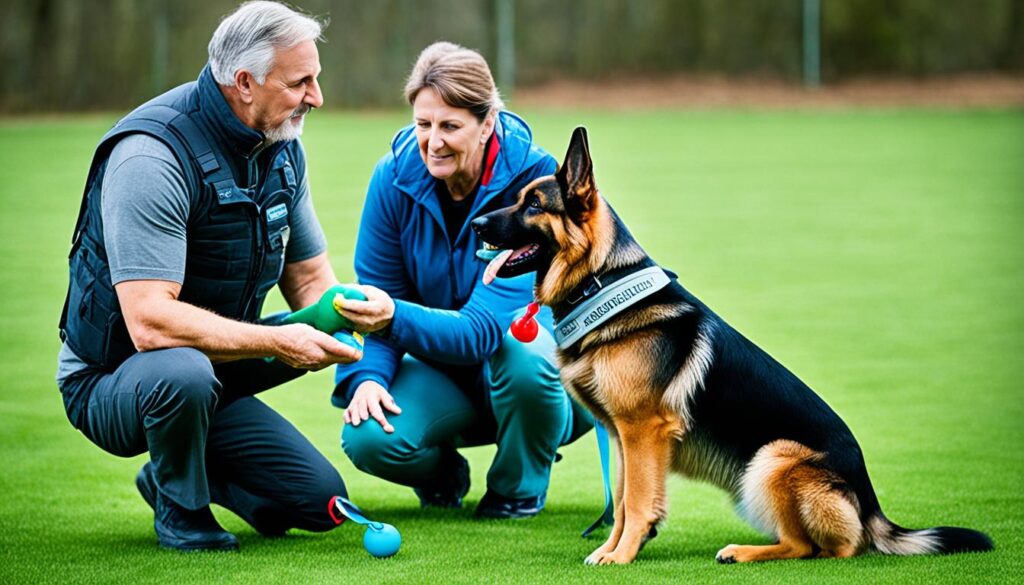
x=576, y=175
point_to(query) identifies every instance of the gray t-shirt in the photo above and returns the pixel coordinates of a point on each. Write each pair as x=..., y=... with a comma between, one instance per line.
x=145, y=206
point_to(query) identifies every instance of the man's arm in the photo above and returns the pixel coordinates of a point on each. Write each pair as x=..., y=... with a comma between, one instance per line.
x=156, y=319
x=302, y=283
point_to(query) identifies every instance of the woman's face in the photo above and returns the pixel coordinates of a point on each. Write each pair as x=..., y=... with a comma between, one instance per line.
x=451, y=140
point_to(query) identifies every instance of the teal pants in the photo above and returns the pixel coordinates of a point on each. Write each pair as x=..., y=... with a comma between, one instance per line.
x=516, y=402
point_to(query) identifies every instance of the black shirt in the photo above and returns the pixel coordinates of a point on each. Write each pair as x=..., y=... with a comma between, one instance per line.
x=454, y=212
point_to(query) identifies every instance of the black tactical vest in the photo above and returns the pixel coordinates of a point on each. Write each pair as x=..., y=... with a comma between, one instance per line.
x=238, y=223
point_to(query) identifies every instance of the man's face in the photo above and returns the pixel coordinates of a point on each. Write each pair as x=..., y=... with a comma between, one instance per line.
x=288, y=93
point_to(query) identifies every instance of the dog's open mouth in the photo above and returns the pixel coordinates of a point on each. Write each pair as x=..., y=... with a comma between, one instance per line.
x=506, y=262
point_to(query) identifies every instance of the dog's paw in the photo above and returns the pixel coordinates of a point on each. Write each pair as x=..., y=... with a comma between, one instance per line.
x=599, y=557
x=727, y=555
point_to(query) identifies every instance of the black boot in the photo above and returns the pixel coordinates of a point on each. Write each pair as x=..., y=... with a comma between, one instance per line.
x=180, y=528
x=495, y=505
x=447, y=490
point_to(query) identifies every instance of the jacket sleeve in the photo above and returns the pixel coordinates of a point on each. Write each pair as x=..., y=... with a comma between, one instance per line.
x=466, y=336
x=377, y=263
x=473, y=333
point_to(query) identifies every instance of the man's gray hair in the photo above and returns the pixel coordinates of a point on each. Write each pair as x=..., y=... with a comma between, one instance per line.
x=247, y=39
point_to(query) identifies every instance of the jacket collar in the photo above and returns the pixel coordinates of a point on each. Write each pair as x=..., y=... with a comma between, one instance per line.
x=218, y=116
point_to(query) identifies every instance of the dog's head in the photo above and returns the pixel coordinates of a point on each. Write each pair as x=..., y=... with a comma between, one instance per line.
x=550, y=224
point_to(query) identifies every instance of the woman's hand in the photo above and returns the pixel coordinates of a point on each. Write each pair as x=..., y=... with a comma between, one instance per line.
x=371, y=315
x=369, y=400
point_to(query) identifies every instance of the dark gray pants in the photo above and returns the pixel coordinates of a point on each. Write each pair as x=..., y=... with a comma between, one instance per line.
x=208, y=438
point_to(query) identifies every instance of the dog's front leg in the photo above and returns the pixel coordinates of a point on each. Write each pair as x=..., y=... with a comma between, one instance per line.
x=620, y=515
x=646, y=445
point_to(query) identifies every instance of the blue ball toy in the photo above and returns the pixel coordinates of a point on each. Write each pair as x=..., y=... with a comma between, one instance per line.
x=381, y=540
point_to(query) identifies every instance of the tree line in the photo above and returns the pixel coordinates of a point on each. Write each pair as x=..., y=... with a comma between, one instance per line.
x=110, y=54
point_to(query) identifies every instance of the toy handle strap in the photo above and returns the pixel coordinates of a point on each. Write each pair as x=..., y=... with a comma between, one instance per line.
x=347, y=509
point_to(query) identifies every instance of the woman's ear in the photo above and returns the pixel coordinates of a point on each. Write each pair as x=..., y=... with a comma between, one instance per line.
x=488, y=128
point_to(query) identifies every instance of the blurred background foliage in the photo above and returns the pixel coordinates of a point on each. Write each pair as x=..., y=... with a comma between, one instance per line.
x=60, y=55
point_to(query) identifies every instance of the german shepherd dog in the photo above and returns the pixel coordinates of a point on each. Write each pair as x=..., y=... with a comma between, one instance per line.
x=681, y=390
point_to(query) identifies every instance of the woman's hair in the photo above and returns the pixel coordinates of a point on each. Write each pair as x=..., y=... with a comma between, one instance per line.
x=249, y=37
x=459, y=75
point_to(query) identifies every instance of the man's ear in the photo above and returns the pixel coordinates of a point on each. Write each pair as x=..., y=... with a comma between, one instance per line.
x=576, y=176
x=244, y=82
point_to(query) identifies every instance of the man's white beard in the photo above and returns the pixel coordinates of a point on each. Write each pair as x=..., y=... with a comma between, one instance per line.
x=288, y=130
x=285, y=131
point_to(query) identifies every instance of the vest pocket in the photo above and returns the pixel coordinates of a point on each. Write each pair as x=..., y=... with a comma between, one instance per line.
x=119, y=345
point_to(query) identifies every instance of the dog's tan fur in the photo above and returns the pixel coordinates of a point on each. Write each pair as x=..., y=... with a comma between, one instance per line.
x=582, y=245
x=794, y=500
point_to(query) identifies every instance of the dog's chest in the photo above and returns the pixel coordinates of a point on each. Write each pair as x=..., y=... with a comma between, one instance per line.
x=611, y=381
x=580, y=380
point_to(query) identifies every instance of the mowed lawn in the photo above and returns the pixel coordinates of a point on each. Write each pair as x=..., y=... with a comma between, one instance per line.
x=877, y=254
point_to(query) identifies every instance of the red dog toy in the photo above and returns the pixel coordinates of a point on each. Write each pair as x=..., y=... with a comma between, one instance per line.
x=525, y=328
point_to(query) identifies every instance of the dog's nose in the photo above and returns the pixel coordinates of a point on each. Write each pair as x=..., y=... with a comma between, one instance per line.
x=479, y=224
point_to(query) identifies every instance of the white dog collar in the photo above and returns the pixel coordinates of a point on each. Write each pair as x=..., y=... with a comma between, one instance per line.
x=607, y=303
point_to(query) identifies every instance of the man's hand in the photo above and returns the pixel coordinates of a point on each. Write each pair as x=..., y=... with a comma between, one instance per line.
x=371, y=315
x=301, y=346
x=369, y=400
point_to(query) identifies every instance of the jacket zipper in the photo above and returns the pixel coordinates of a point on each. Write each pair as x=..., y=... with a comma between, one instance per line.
x=451, y=274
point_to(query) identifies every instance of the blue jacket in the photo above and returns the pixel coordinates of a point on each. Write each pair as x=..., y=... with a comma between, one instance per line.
x=443, y=312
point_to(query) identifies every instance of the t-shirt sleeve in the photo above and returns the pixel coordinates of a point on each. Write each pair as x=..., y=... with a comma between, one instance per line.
x=145, y=207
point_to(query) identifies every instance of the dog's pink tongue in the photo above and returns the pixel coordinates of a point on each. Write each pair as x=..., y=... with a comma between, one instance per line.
x=491, y=272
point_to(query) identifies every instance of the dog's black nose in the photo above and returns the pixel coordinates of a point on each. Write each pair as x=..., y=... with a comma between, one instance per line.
x=479, y=224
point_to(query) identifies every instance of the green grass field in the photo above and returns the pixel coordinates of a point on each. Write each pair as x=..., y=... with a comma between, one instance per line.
x=878, y=254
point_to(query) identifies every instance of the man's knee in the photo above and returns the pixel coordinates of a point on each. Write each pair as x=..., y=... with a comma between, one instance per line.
x=315, y=504
x=178, y=377
x=307, y=504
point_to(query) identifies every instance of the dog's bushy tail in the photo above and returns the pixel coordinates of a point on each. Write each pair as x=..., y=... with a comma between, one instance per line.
x=891, y=539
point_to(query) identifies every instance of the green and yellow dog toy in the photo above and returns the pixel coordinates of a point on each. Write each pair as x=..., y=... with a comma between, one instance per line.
x=325, y=315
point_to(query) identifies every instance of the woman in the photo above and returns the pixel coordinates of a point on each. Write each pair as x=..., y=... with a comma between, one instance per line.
x=441, y=371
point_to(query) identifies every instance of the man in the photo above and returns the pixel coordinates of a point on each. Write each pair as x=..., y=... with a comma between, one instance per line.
x=196, y=205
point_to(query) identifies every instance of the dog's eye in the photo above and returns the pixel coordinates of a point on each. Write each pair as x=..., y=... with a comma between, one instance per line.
x=534, y=203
